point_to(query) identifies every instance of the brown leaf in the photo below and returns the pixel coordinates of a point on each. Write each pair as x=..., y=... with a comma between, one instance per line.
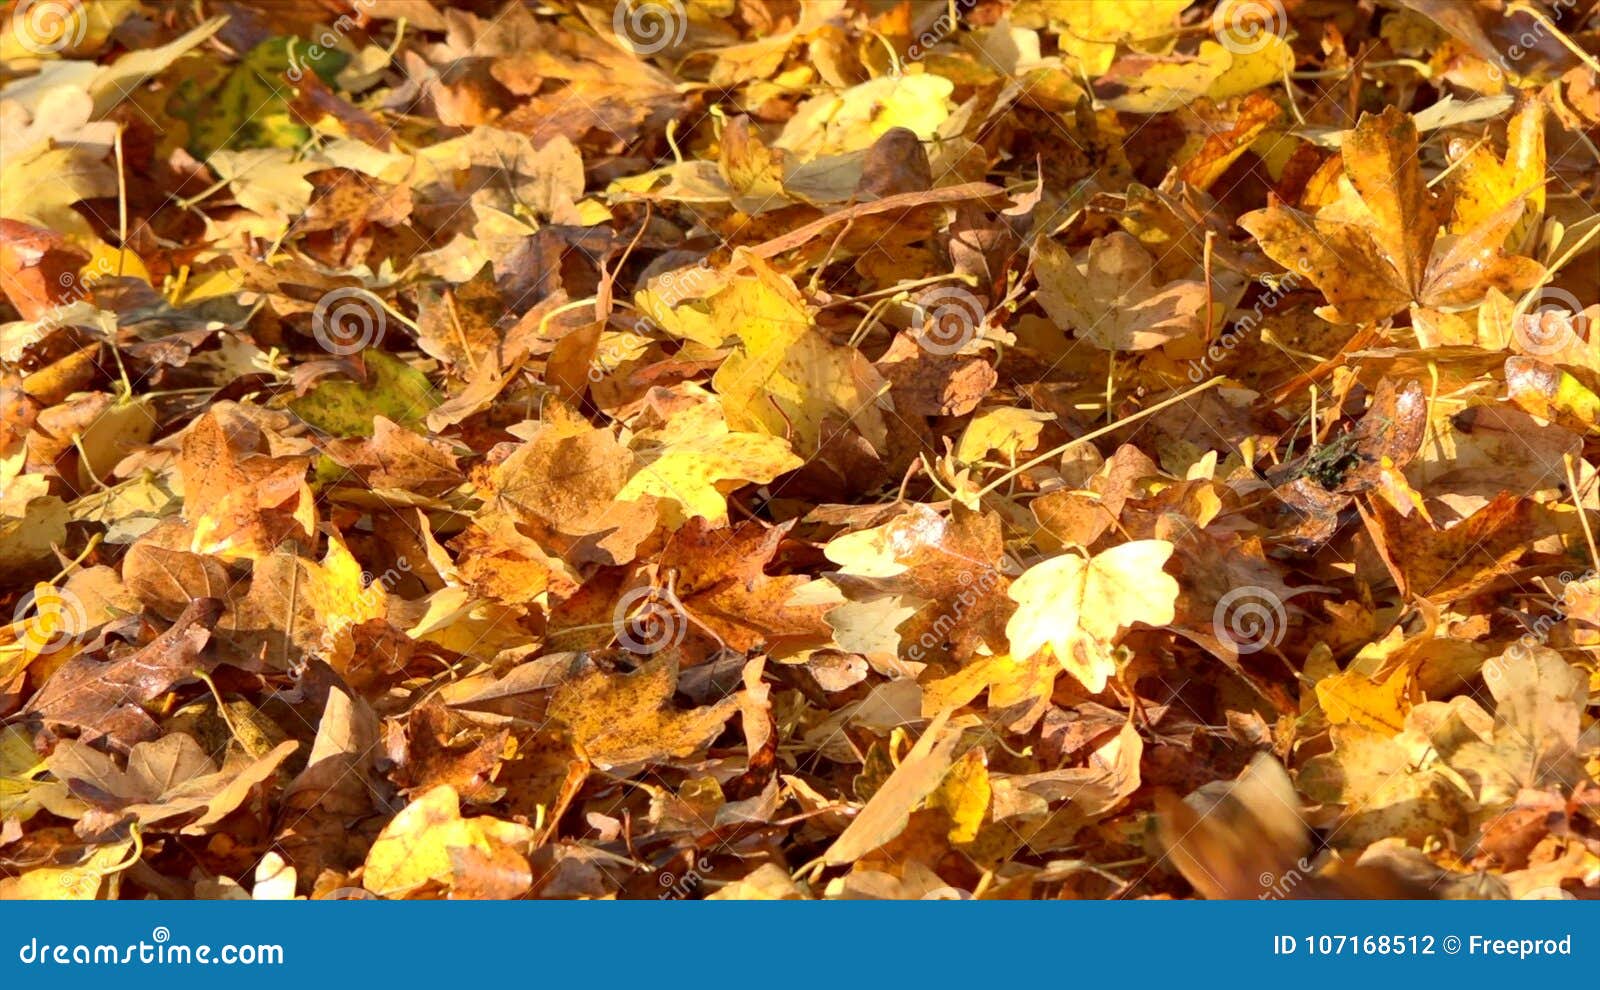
x=1442, y=565
x=103, y=697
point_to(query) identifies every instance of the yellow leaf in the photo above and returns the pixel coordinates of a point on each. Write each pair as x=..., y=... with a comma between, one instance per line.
x=620, y=719
x=1259, y=64
x=691, y=460
x=71, y=883
x=1546, y=391
x=786, y=379
x=1353, y=698
x=1485, y=184
x=964, y=795
x=1375, y=253
x=1214, y=72
x=887, y=813
x=1010, y=430
x=838, y=123
x=423, y=843
x=19, y=764
x=1091, y=32
x=1079, y=606
x=1110, y=298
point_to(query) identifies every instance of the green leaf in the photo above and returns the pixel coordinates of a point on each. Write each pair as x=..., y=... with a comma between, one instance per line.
x=393, y=389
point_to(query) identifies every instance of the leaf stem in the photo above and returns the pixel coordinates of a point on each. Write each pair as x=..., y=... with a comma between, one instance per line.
x=1096, y=434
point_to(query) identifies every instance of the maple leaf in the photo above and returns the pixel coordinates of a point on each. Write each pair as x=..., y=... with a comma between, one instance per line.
x=693, y=461
x=566, y=481
x=786, y=379
x=104, y=698
x=1371, y=267
x=1078, y=606
x=948, y=568
x=719, y=578
x=621, y=719
x=429, y=842
x=1110, y=299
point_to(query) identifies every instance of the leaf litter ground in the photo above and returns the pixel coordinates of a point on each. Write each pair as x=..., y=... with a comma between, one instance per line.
x=760, y=449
